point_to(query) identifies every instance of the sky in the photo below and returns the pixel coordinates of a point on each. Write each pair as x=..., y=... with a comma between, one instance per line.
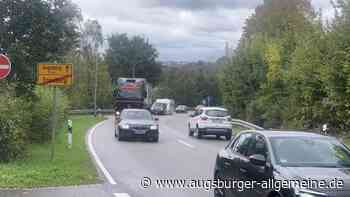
x=181, y=30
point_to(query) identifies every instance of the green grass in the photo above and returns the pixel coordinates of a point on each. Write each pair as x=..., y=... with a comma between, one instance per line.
x=70, y=166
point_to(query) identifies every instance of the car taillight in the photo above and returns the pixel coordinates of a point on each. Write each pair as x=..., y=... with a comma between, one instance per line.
x=204, y=118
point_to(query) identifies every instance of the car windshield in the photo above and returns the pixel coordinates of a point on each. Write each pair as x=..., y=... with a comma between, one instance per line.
x=217, y=113
x=130, y=90
x=136, y=115
x=159, y=106
x=310, y=152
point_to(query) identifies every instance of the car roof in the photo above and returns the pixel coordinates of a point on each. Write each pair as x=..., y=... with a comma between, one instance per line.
x=213, y=108
x=284, y=133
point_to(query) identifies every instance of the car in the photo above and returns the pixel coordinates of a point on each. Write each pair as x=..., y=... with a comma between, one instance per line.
x=137, y=123
x=181, y=109
x=284, y=157
x=158, y=109
x=198, y=107
x=210, y=121
x=164, y=106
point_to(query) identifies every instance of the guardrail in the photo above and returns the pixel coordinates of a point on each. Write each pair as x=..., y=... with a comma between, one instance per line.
x=246, y=124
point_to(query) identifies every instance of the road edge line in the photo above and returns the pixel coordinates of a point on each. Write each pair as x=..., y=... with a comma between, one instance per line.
x=95, y=156
x=121, y=195
x=186, y=144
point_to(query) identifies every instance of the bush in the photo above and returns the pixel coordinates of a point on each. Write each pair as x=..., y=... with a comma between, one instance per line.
x=14, y=121
x=40, y=130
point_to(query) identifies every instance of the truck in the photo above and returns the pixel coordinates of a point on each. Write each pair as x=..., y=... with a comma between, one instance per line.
x=163, y=107
x=132, y=93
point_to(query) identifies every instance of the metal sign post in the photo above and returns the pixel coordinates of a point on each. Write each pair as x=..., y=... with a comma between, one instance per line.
x=53, y=118
x=54, y=75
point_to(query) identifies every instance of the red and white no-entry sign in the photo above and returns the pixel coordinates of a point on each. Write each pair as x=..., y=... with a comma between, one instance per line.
x=5, y=66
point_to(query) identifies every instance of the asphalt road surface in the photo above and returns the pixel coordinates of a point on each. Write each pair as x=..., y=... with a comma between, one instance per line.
x=176, y=156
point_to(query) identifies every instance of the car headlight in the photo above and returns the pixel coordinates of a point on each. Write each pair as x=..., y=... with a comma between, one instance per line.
x=124, y=126
x=154, y=127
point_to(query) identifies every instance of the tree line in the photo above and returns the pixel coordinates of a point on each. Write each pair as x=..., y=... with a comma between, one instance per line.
x=36, y=31
x=291, y=67
x=190, y=84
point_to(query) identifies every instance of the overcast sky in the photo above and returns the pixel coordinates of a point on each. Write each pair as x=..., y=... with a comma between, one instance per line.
x=181, y=30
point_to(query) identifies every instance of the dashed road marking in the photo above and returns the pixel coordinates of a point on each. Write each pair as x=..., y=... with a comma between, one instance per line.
x=121, y=195
x=186, y=144
x=97, y=159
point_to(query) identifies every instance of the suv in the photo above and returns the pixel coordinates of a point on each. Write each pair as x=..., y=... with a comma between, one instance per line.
x=210, y=121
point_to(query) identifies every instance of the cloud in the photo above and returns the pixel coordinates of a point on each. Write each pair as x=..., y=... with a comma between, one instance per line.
x=184, y=30
x=204, y=4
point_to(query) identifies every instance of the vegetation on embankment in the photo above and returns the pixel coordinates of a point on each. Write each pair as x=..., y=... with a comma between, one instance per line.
x=69, y=167
x=290, y=69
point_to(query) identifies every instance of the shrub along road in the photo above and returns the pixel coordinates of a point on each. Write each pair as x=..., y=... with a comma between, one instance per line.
x=70, y=166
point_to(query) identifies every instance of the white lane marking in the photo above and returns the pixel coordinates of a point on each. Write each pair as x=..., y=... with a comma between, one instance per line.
x=186, y=144
x=97, y=159
x=121, y=195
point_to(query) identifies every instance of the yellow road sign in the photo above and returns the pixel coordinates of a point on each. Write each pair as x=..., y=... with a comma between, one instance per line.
x=55, y=74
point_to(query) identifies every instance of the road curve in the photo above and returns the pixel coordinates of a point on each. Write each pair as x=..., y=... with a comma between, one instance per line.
x=176, y=156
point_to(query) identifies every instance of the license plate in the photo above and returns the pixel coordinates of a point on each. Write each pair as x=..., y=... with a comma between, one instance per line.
x=140, y=132
x=217, y=121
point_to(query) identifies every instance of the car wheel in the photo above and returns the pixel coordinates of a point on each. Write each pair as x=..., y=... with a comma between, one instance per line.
x=190, y=131
x=218, y=192
x=120, y=138
x=228, y=137
x=156, y=138
x=115, y=133
x=153, y=138
x=275, y=195
x=199, y=134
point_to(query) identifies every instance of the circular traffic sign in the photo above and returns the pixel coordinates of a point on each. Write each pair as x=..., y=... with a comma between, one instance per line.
x=5, y=66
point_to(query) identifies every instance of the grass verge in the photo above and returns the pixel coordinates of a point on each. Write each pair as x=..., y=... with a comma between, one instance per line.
x=70, y=166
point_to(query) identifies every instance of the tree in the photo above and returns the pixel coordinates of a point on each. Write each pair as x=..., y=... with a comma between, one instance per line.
x=189, y=85
x=253, y=84
x=129, y=57
x=36, y=31
x=85, y=60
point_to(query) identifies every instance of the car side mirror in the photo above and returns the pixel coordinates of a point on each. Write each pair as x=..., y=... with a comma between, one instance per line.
x=156, y=119
x=258, y=160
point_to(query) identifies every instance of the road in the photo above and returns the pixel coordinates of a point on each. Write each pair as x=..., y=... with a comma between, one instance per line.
x=176, y=156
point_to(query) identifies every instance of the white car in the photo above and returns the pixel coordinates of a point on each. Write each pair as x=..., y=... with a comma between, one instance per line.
x=210, y=121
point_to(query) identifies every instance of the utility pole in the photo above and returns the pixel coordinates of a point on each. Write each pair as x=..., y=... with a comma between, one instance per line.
x=95, y=91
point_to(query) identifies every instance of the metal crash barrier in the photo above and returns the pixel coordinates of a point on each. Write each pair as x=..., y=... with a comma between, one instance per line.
x=246, y=124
